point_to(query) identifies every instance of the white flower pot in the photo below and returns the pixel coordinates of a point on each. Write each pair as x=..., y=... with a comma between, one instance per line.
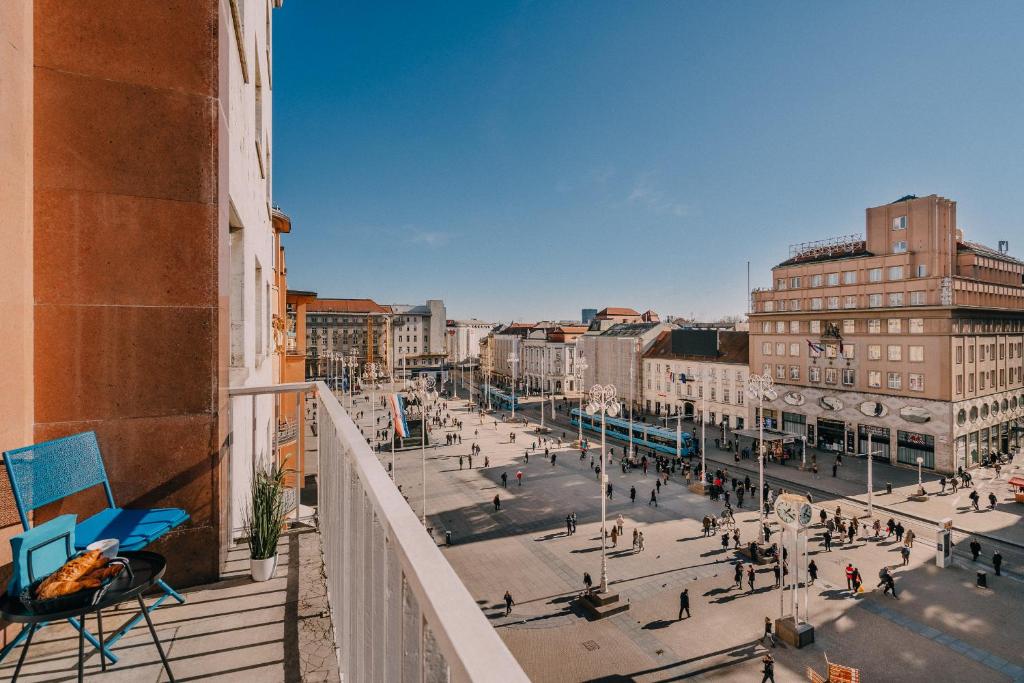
x=263, y=570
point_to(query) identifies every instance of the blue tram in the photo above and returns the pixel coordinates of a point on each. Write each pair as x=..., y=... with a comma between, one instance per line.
x=659, y=438
x=499, y=399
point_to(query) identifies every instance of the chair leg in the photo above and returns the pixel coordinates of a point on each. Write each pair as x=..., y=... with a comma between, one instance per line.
x=170, y=591
x=99, y=627
x=17, y=639
x=81, y=654
x=105, y=648
x=24, y=651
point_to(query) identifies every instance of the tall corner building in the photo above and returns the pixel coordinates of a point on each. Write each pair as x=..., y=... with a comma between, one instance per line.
x=910, y=333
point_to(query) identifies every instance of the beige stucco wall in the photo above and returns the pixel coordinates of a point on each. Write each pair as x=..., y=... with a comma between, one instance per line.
x=16, y=396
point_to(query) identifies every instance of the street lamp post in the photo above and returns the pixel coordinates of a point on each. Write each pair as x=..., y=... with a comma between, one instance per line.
x=602, y=400
x=353, y=366
x=512, y=360
x=920, y=486
x=372, y=373
x=423, y=387
x=578, y=372
x=761, y=387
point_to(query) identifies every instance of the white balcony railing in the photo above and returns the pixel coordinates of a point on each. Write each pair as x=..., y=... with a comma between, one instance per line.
x=399, y=611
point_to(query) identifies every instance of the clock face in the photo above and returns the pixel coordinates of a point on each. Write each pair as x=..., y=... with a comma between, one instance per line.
x=785, y=512
x=806, y=513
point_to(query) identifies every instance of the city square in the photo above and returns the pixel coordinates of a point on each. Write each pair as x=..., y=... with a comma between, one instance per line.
x=391, y=342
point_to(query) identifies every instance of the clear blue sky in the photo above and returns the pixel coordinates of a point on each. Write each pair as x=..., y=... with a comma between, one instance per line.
x=525, y=160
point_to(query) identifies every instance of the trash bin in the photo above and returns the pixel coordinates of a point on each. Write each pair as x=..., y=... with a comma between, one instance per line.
x=888, y=487
x=447, y=537
x=982, y=580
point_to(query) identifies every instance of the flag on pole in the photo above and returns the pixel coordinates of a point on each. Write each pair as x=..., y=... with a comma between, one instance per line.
x=816, y=349
x=396, y=404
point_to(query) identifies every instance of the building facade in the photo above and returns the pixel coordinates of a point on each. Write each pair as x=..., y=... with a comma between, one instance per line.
x=462, y=339
x=613, y=356
x=418, y=338
x=910, y=333
x=699, y=373
x=507, y=343
x=549, y=359
x=138, y=226
x=348, y=329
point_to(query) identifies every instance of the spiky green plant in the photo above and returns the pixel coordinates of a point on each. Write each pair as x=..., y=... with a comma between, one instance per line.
x=266, y=514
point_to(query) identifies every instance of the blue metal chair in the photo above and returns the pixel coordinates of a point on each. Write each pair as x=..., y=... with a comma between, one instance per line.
x=47, y=472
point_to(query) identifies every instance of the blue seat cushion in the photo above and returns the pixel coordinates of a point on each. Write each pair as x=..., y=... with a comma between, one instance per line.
x=134, y=528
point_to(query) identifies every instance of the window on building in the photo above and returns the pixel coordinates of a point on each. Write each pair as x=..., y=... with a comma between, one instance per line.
x=725, y=394
x=849, y=377
x=899, y=223
x=766, y=348
x=794, y=372
x=922, y=270
x=895, y=380
x=874, y=379
x=766, y=327
x=970, y=382
x=833, y=303
x=832, y=279
x=959, y=384
x=970, y=354
x=816, y=303
x=895, y=352
x=780, y=283
x=831, y=350
x=916, y=325
x=815, y=281
x=917, y=299
x=895, y=272
x=815, y=327
x=849, y=351
x=780, y=372
x=959, y=355
x=780, y=326
x=780, y=348
x=831, y=375
x=915, y=354
x=814, y=373
x=769, y=306
x=875, y=326
x=794, y=283
x=895, y=326
x=874, y=274
x=850, y=301
x=874, y=300
x=895, y=298
x=849, y=326
x=767, y=369
x=874, y=351
x=794, y=304
x=899, y=247
x=794, y=349
x=849, y=277
x=794, y=327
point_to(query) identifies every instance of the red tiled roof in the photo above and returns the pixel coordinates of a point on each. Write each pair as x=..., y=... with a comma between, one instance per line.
x=346, y=306
x=611, y=310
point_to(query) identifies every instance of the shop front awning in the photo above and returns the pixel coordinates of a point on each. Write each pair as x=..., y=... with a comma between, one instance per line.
x=770, y=435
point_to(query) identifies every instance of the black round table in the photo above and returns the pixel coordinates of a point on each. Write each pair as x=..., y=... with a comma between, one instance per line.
x=146, y=569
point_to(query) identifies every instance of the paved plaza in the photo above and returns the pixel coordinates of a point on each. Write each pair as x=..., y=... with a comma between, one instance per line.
x=942, y=627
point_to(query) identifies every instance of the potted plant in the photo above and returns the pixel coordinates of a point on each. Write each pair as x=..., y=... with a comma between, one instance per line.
x=264, y=520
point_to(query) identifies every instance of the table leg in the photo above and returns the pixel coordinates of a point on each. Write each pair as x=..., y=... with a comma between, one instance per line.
x=156, y=641
x=99, y=626
x=24, y=651
x=81, y=652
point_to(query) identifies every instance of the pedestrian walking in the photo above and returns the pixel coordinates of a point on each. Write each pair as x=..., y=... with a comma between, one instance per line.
x=636, y=540
x=975, y=549
x=588, y=582
x=768, y=666
x=568, y=525
x=997, y=562
x=504, y=480
x=632, y=494
x=621, y=523
x=812, y=572
x=899, y=532
x=908, y=538
x=640, y=541
x=849, y=576
x=725, y=543
x=736, y=538
x=615, y=536
x=706, y=523
x=519, y=476
x=905, y=554
x=657, y=485
x=751, y=576
x=887, y=583
x=737, y=577
x=654, y=499
x=777, y=571
x=508, y=603
x=835, y=468
x=851, y=531
x=497, y=502
x=823, y=516
x=460, y=462
x=684, y=604
x=974, y=497
x=992, y=500
x=890, y=527
x=768, y=635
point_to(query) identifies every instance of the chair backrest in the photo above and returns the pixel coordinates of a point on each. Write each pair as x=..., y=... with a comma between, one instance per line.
x=46, y=472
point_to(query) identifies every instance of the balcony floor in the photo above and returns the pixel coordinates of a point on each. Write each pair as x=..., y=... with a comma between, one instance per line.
x=233, y=630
